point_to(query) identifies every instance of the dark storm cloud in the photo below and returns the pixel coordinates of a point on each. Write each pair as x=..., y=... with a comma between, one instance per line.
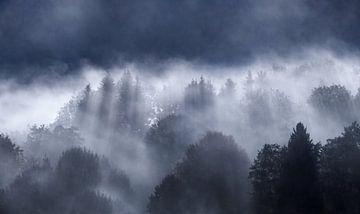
x=51, y=36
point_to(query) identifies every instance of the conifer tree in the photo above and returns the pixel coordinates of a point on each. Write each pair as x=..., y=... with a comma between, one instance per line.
x=299, y=180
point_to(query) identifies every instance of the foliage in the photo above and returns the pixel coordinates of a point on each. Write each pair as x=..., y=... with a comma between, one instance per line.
x=334, y=101
x=340, y=171
x=199, y=95
x=210, y=178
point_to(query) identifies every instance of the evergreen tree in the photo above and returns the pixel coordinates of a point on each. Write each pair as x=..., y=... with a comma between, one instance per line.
x=299, y=180
x=124, y=109
x=78, y=170
x=265, y=178
x=31, y=190
x=83, y=107
x=106, y=90
x=42, y=140
x=10, y=160
x=340, y=172
x=137, y=117
x=199, y=95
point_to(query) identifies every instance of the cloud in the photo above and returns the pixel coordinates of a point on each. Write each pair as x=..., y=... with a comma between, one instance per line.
x=64, y=35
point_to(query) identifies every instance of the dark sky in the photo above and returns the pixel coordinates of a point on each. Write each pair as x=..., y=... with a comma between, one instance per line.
x=38, y=37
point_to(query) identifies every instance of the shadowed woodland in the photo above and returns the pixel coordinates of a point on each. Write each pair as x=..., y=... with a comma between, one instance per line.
x=125, y=147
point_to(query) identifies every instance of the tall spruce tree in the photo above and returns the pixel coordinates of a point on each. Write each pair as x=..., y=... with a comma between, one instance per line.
x=299, y=190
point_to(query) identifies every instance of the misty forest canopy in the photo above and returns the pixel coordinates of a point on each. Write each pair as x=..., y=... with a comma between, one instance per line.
x=126, y=147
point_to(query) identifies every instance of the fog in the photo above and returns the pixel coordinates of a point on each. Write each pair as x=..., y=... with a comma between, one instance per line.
x=40, y=102
x=134, y=128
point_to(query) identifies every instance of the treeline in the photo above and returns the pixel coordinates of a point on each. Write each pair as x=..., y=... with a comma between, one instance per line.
x=122, y=149
x=304, y=177
x=300, y=177
x=214, y=176
x=75, y=184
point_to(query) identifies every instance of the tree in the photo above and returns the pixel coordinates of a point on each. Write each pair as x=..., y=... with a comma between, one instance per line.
x=130, y=104
x=125, y=100
x=229, y=89
x=299, y=190
x=67, y=114
x=211, y=178
x=42, y=140
x=138, y=120
x=168, y=139
x=70, y=188
x=265, y=178
x=340, y=171
x=106, y=90
x=31, y=190
x=10, y=160
x=83, y=105
x=259, y=108
x=199, y=95
x=114, y=181
x=334, y=101
x=78, y=170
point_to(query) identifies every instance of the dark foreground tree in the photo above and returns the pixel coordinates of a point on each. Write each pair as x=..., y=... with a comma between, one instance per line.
x=211, y=178
x=265, y=178
x=299, y=190
x=286, y=179
x=340, y=172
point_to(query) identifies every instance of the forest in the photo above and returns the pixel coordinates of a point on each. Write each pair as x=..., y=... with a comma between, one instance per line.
x=243, y=147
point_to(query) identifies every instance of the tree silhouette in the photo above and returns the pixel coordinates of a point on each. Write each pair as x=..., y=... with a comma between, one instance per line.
x=340, y=171
x=212, y=177
x=299, y=181
x=265, y=178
